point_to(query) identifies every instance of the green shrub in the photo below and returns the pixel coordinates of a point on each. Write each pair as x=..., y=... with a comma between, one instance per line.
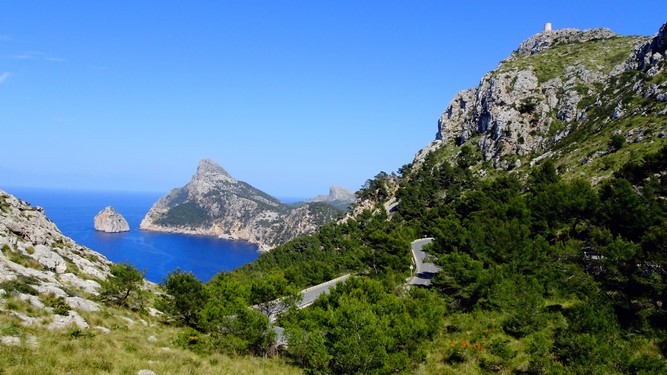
x=186, y=296
x=22, y=284
x=191, y=339
x=78, y=333
x=58, y=304
x=616, y=142
x=122, y=288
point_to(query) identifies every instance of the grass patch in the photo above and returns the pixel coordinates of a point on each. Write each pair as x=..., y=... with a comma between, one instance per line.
x=4, y=206
x=22, y=284
x=21, y=259
x=597, y=55
x=71, y=266
x=58, y=304
x=125, y=350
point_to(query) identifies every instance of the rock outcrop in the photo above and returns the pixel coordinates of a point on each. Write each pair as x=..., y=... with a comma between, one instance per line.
x=36, y=258
x=548, y=38
x=110, y=221
x=649, y=55
x=214, y=203
x=554, y=84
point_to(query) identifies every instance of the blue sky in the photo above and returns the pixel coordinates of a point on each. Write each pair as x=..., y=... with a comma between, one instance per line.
x=289, y=96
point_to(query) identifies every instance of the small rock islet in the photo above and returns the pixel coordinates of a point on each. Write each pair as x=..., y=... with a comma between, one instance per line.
x=110, y=221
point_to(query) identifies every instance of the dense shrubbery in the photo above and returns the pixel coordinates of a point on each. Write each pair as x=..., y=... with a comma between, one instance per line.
x=584, y=268
x=188, y=213
x=217, y=314
x=364, y=326
x=538, y=276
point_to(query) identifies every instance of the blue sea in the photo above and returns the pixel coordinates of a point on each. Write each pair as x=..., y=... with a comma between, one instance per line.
x=156, y=253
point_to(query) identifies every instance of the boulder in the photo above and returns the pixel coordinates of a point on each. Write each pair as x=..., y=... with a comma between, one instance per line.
x=33, y=300
x=110, y=221
x=61, y=321
x=10, y=341
x=104, y=330
x=90, y=286
x=49, y=259
x=82, y=304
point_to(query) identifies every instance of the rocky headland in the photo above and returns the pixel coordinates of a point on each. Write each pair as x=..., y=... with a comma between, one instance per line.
x=110, y=221
x=215, y=203
x=557, y=89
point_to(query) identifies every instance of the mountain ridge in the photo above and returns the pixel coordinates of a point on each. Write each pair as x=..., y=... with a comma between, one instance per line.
x=549, y=95
x=215, y=203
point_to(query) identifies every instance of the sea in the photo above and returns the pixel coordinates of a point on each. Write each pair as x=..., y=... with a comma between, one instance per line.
x=155, y=253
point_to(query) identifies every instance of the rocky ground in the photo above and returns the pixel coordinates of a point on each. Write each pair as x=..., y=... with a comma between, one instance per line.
x=555, y=91
x=53, y=322
x=42, y=267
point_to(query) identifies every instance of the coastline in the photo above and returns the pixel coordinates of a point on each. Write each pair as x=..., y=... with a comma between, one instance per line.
x=156, y=252
x=261, y=248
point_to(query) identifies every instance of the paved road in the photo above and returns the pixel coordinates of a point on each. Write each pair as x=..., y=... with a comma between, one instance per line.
x=424, y=271
x=308, y=296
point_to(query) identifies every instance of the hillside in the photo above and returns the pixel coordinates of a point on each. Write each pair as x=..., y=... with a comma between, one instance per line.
x=589, y=100
x=545, y=194
x=59, y=311
x=214, y=203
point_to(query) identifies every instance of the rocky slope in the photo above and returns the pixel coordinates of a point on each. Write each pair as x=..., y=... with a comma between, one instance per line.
x=562, y=94
x=43, y=268
x=215, y=203
x=110, y=221
x=51, y=323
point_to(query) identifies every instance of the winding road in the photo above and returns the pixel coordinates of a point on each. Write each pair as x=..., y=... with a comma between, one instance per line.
x=308, y=296
x=425, y=270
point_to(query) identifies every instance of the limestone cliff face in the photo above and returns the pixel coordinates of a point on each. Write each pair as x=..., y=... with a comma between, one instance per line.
x=110, y=221
x=34, y=252
x=537, y=96
x=215, y=203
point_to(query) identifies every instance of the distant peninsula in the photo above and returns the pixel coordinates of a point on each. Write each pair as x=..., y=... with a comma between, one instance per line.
x=215, y=203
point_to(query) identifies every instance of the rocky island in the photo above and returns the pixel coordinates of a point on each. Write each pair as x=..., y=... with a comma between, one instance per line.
x=215, y=203
x=110, y=221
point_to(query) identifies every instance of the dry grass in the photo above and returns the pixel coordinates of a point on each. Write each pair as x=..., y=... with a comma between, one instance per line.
x=125, y=350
